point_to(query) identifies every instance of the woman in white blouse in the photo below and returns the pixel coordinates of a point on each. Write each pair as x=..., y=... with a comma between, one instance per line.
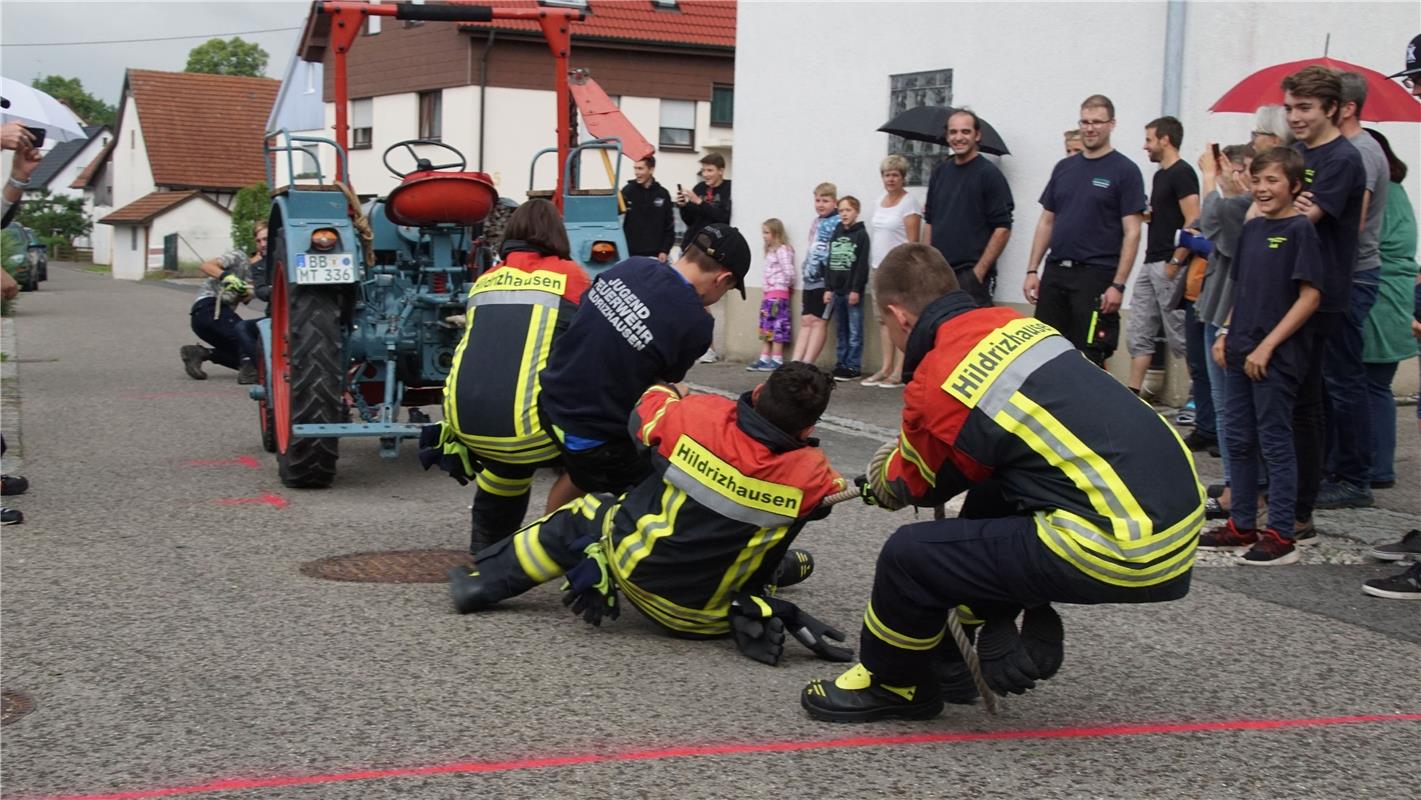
x=897, y=219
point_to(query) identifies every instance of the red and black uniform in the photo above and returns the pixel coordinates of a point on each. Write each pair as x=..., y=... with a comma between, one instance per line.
x=515, y=314
x=729, y=493
x=1080, y=493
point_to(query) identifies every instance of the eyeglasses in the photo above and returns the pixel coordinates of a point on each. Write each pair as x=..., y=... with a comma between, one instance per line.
x=1093, y=123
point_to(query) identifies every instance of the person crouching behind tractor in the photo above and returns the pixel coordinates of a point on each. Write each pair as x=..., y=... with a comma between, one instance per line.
x=701, y=544
x=516, y=313
x=1077, y=492
x=233, y=340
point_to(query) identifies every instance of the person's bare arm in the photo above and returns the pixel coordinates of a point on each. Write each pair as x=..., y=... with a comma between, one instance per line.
x=1039, y=242
x=1129, y=248
x=991, y=252
x=927, y=234
x=212, y=268
x=1366, y=204
x=912, y=223
x=1189, y=207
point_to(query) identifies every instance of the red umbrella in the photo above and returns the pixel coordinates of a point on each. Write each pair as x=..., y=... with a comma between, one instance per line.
x=1387, y=101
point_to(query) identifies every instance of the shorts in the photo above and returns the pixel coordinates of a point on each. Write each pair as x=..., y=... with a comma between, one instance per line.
x=774, y=321
x=612, y=467
x=811, y=302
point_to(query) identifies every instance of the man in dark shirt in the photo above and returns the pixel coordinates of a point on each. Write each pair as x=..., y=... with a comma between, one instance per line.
x=649, y=224
x=1090, y=220
x=1174, y=199
x=1334, y=183
x=969, y=209
x=643, y=321
x=708, y=201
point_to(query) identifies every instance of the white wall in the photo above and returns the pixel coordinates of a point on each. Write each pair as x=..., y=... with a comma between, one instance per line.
x=128, y=261
x=204, y=228
x=1024, y=67
x=131, y=174
x=60, y=183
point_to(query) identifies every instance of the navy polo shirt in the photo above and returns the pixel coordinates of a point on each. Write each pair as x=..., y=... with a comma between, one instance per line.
x=639, y=323
x=1089, y=196
x=1274, y=257
x=1337, y=178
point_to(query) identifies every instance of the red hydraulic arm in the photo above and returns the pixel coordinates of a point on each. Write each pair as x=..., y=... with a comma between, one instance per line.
x=342, y=20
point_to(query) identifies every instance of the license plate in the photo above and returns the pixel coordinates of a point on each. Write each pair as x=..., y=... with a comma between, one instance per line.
x=325, y=268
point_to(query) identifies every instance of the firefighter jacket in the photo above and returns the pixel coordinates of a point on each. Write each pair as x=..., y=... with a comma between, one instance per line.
x=992, y=395
x=515, y=314
x=729, y=494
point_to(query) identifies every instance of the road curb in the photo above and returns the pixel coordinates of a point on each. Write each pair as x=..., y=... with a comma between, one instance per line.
x=10, y=397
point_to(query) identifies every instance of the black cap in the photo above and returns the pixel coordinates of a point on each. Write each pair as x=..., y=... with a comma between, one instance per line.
x=727, y=248
x=1413, y=64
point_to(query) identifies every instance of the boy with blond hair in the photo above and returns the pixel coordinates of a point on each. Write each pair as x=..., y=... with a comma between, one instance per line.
x=814, y=329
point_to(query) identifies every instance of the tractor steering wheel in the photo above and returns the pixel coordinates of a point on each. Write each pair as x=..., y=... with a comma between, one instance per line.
x=421, y=164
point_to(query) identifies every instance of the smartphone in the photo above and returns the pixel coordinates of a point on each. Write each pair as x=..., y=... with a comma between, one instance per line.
x=38, y=133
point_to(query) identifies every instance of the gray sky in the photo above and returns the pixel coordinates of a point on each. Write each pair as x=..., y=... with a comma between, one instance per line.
x=101, y=66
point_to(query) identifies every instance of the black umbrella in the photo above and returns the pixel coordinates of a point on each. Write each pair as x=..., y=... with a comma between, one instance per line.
x=927, y=123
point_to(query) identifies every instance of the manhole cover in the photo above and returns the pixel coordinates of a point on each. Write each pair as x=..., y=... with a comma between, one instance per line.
x=395, y=566
x=14, y=705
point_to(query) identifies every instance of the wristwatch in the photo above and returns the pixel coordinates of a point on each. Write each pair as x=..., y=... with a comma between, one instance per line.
x=1174, y=262
x=1119, y=287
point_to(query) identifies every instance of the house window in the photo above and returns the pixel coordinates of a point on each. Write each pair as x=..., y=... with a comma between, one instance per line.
x=362, y=120
x=911, y=90
x=564, y=3
x=678, y=125
x=665, y=5
x=372, y=23
x=722, y=105
x=133, y=237
x=431, y=114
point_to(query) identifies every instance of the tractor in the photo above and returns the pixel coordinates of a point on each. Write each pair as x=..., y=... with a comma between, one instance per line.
x=363, y=298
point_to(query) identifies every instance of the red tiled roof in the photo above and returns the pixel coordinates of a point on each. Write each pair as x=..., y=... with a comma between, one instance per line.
x=704, y=23
x=203, y=131
x=87, y=176
x=148, y=206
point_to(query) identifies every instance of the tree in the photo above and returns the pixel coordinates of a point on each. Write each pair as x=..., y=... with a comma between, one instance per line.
x=233, y=56
x=252, y=204
x=55, y=219
x=70, y=91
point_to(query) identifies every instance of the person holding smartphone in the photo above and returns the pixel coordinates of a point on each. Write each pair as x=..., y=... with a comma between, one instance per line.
x=25, y=143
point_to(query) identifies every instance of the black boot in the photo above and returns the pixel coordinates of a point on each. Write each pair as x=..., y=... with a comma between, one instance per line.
x=470, y=591
x=795, y=567
x=857, y=696
x=193, y=355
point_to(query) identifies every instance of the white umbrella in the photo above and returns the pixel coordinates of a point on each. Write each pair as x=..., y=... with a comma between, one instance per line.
x=36, y=109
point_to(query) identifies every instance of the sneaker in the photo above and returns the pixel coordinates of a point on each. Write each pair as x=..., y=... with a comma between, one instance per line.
x=1341, y=494
x=856, y=696
x=847, y=375
x=839, y=374
x=795, y=567
x=1227, y=539
x=1408, y=548
x=247, y=374
x=11, y=516
x=709, y=357
x=1271, y=550
x=1406, y=586
x=12, y=485
x=193, y=355
x=1305, y=534
x=1198, y=442
x=1184, y=417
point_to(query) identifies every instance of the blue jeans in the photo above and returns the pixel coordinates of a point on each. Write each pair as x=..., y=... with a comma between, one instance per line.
x=1196, y=356
x=1218, y=393
x=1381, y=407
x=1260, y=421
x=1349, y=426
x=848, y=341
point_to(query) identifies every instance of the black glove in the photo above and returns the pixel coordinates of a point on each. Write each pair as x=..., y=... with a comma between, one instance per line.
x=1006, y=666
x=1043, y=635
x=807, y=630
x=758, y=633
x=589, y=589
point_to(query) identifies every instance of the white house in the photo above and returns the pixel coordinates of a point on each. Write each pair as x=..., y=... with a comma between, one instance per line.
x=176, y=132
x=1025, y=67
x=62, y=166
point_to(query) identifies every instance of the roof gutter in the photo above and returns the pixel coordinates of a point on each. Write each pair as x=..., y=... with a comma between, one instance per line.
x=1176, y=15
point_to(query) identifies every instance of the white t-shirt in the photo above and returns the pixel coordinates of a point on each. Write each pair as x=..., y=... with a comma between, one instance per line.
x=887, y=229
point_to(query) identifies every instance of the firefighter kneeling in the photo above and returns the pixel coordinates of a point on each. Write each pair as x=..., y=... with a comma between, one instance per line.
x=700, y=546
x=1077, y=492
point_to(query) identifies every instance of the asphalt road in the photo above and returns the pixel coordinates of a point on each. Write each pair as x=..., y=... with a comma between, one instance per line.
x=154, y=611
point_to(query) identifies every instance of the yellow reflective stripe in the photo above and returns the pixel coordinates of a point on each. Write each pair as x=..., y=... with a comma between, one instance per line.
x=503, y=487
x=894, y=638
x=650, y=528
x=534, y=560
x=672, y=616
x=905, y=449
x=647, y=428
x=1069, y=549
x=529, y=368
x=451, y=383
x=746, y=563
x=966, y=616
x=1090, y=536
x=763, y=607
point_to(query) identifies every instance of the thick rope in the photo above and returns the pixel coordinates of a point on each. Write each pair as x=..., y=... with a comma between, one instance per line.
x=362, y=224
x=954, y=624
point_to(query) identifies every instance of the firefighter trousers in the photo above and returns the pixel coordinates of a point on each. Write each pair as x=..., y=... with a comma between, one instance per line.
x=500, y=500
x=985, y=559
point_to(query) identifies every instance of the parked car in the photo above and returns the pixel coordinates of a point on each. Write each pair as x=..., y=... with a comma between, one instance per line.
x=26, y=257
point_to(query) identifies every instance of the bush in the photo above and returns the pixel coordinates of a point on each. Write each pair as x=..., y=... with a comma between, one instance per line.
x=252, y=204
x=55, y=219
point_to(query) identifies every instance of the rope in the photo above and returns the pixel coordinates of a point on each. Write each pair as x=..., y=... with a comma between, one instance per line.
x=362, y=224
x=954, y=624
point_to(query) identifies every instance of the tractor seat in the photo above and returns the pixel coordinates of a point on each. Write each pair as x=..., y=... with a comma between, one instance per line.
x=441, y=198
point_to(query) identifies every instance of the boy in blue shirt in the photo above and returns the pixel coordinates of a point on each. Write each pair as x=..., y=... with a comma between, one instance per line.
x=813, y=329
x=1265, y=349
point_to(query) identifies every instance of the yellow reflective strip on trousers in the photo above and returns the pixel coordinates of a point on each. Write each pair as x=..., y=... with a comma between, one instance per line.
x=672, y=616
x=503, y=487
x=1068, y=548
x=894, y=638
x=650, y=528
x=534, y=560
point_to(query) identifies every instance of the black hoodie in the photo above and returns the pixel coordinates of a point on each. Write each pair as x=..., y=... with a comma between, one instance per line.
x=650, y=223
x=848, y=260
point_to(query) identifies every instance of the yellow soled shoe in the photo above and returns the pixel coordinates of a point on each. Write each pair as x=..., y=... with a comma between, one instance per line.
x=857, y=696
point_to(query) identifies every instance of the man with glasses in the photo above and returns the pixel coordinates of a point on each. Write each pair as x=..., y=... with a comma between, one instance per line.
x=1099, y=200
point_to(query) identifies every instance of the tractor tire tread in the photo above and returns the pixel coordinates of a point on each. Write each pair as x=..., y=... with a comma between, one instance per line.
x=314, y=353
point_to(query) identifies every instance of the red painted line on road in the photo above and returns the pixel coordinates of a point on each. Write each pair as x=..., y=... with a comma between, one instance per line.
x=268, y=498
x=732, y=749
x=239, y=461
x=167, y=395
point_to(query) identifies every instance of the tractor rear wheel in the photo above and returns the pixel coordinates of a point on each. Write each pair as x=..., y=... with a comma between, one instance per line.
x=306, y=379
x=265, y=416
